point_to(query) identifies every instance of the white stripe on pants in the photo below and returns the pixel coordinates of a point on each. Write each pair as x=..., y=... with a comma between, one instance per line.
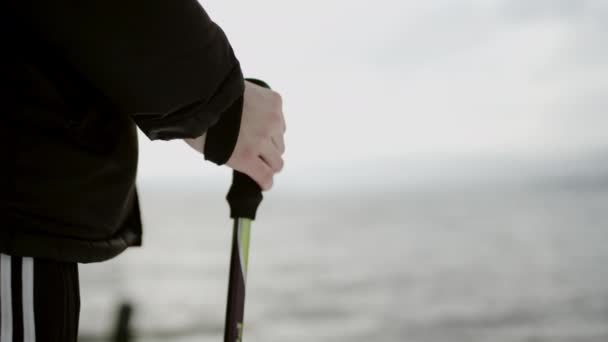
x=29, y=327
x=6, y=299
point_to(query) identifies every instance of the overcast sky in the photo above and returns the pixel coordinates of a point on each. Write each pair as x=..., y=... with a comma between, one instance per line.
x=381, y=81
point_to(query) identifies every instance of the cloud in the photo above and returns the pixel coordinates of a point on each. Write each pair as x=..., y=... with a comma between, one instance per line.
x=524, y=10
x=538, y=70
x=400, y=79
x=577, y=72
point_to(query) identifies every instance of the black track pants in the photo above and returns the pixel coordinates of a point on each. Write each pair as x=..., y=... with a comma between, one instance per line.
x=39, y=300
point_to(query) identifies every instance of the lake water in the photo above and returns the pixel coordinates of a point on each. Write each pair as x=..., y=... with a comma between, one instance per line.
x=417, y=266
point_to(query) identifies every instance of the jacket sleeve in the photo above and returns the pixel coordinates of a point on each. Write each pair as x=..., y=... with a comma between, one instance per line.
x=165, y=62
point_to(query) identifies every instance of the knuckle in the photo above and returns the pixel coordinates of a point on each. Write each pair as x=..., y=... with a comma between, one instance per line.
x=268, y=173
x=265, y=134
x=268, y=183
x=263, y=181
x=280, y=165
x=276, y=118
x=279, y=115
x=277, y=99
x=268, y=178
x=258, y=177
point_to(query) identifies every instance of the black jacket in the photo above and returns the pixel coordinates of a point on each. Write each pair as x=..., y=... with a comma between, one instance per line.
x=78, y=77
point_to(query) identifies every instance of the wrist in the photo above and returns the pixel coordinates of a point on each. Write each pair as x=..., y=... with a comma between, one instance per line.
x=222, y=137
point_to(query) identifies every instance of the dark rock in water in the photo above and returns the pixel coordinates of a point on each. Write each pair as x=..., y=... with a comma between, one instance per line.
x=122, y=331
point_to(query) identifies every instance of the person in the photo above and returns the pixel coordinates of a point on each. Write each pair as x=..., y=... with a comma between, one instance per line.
x=79, y=78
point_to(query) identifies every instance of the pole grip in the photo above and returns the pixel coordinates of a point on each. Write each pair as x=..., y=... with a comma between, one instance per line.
x=245, y=195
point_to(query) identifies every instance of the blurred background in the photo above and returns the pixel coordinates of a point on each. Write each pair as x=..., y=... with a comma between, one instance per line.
x=446, y=180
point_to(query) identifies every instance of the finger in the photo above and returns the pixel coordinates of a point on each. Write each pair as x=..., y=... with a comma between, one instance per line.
x=272, y=156
x=260, y=172
x=278, y=125
x=284, y=123
x=279, y=143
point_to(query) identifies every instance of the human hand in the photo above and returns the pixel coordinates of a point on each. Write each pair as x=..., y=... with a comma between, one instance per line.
x=260, y=145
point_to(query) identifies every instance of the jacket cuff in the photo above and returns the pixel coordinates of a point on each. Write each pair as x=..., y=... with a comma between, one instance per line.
x=192, y=120
x=222, y=137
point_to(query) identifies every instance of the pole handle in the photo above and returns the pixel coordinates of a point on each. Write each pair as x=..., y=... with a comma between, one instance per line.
x=245, y=195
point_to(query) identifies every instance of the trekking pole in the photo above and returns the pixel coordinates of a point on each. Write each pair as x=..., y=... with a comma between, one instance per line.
x=244, y=197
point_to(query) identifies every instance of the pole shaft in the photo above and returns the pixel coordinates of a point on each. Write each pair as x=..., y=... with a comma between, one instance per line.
x=236, y=283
